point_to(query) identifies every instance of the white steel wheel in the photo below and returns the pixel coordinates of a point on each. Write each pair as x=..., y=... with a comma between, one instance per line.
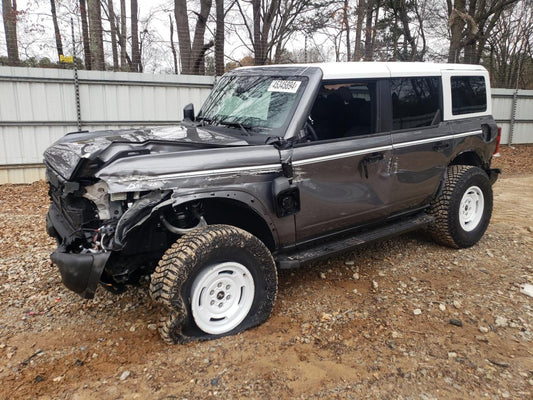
x=471, y=208
x=463, y=208
x=221, y=297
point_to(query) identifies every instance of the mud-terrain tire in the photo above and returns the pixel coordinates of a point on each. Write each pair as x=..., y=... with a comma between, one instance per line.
x=215, y=281
x=463, y=209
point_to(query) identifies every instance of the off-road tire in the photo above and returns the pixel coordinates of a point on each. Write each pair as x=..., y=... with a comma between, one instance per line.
x=447, y=229
x=173, y=278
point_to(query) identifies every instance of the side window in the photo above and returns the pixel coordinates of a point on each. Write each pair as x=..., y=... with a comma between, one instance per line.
x=469, y=94
x=345, y=109
x=415, y=101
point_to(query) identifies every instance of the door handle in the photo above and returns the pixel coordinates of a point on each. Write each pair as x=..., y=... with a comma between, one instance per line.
x=441, y=146
x=373, y=158
x=370, y=159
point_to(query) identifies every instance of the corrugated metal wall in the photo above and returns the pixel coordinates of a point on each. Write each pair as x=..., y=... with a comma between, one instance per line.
x=502, y=109
x=38, y=106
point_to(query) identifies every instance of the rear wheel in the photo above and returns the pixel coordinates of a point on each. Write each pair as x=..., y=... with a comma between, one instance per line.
x=463, y=209
x=215, y=281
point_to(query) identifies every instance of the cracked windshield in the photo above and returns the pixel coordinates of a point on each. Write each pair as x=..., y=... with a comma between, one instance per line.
x=250, y=102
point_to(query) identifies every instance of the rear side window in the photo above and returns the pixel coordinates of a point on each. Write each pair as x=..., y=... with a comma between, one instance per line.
x=469, y=94
x=415, y=102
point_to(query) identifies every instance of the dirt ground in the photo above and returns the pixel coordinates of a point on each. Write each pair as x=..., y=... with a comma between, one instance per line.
x=400, y=319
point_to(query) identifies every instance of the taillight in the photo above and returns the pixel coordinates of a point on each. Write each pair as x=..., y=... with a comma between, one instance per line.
x=498, y=139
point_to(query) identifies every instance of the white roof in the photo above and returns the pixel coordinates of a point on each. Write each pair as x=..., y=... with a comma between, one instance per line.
x=370, y=69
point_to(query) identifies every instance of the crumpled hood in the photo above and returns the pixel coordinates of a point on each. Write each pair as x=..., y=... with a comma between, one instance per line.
x=76, y=151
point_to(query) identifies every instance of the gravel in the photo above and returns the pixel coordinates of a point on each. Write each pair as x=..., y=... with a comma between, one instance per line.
x=343, y=328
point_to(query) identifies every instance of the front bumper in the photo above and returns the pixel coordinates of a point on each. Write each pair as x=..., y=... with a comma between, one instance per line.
x=80, y=272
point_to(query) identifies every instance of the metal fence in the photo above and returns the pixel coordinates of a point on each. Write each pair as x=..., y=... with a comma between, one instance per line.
x=38, y=106
x=513, y=111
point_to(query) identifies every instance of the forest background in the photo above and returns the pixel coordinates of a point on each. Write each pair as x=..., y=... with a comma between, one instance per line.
x=209, y=37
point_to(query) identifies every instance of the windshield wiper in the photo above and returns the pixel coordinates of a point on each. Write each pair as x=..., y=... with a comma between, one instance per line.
x=203, y=120
x=244, y=129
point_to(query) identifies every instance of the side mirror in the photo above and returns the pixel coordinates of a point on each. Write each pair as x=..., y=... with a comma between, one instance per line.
x=188, y=112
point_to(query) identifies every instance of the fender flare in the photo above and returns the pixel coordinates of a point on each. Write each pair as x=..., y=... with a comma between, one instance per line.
x=244, y=198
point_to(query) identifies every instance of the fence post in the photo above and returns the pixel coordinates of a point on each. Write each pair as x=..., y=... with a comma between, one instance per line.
x=76, y=80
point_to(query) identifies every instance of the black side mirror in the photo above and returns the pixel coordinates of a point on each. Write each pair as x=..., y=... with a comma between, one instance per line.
x=188, y=112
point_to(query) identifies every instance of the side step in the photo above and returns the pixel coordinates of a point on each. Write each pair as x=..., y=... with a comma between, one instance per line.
x=301, y=256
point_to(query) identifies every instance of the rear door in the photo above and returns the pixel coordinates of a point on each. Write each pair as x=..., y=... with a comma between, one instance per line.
x=422, y=143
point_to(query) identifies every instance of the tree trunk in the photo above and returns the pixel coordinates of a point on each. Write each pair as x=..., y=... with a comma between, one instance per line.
x=95, y=39
x=422, y=52
x=408, y=38
x=457, y=24
x=374, y=27
x=192, y=56
x=258, y=51
x=113, y=27
x=59, y=43
x=395, y=36
x=85, y=35
x=9, y=13
x=198, y=48
x=123, y=35
x=135, y=49
x=268, y=18
x=347, y=28
x=219, y=38
x=369, y=53
x=172, y=47
x=358, y=52
x=184, y=35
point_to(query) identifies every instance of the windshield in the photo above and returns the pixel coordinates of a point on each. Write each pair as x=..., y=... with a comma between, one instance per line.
x=252, y=101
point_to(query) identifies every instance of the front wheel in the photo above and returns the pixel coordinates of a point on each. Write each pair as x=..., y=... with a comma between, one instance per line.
x=463, y=209
x=214, y=281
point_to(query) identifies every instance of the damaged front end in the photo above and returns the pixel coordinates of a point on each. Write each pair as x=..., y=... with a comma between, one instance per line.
x=114, y=237
x=111, y=239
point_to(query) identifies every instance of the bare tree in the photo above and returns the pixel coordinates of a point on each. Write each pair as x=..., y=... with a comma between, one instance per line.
x=135, y=49
x=122, y=37
x=85, y=34
x=404, y=14
x=95, y=38
x=219, y=37
x=346, y=22
x=510, y=48
x=172, y=47
x=273, y=23
x=369, y=30
x=9, y=13
x=192, y=56
x=113, y=27
x=471, y=23
x=358, y=51
x=59, y=43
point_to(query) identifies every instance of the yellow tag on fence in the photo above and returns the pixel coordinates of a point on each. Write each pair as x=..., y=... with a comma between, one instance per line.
x=66, y=59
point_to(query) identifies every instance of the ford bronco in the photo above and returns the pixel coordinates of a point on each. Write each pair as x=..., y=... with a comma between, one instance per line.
x=281, y=166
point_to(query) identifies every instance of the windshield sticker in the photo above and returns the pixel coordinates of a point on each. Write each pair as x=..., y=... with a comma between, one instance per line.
x=284, y=86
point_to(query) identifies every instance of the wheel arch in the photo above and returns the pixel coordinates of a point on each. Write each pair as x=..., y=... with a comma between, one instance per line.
x=469, y=157
x=236, y=209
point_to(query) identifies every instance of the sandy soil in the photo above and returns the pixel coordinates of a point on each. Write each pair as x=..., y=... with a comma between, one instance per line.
x=381, y=322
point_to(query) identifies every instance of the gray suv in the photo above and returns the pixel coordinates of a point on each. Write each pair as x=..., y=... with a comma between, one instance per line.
x=281, y=166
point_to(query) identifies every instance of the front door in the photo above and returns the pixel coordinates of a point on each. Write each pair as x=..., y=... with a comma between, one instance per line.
x=342, y=184
x=343, y=174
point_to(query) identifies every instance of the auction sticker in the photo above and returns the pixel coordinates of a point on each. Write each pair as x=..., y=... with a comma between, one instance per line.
x=284, y=86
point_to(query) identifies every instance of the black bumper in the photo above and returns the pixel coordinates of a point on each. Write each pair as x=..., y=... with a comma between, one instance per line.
x=80, y=272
